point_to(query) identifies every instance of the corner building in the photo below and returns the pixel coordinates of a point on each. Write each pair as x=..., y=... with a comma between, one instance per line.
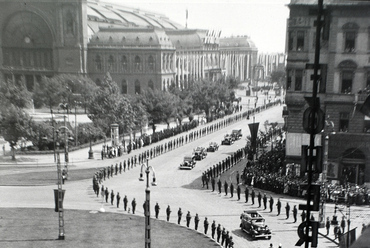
x=343, y=88
x=140, y=49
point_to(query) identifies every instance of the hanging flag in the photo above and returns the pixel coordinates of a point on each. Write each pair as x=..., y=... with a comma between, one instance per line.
x=253, y=127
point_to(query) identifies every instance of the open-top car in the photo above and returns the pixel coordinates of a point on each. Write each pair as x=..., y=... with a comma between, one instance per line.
x=253, y=223
x=188, y=163
x=213, y=146
x=200, y=153
x=228, y=140
x=236, y=134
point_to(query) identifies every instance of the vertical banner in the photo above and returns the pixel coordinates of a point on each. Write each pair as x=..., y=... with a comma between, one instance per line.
x=253, y=127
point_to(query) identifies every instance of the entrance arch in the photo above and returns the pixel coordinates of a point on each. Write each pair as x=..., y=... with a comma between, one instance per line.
x=353, y=166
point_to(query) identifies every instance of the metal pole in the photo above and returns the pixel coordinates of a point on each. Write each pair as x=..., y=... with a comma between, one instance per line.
x=348, y=224
x=60, y=195
x=147, y=210
x=76, y=141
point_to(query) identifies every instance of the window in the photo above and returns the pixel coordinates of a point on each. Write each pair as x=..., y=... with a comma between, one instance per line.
x=137, y=64
x=124, y=64
x=137, y=87
x=343, y=121
x=98, y=63
x=300, y=40
x=350, y=38
x=298, y=80
x=347, y=77
x=150, y=63
x=111, y=64
x=124, y=87
x=289, y=80
x=151, y=84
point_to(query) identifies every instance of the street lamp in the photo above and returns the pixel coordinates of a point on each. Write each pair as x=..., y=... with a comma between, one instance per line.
x=147, y=199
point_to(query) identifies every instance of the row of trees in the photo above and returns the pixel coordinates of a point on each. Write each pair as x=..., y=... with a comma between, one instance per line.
x=105, y=105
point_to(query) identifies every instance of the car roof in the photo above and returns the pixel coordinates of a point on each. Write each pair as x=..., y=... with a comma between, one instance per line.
x=189, y=157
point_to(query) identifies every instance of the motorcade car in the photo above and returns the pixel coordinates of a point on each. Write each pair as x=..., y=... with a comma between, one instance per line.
x=228, y=140
x=188, y=163
x=213, y=146
x=200, y=153
x=236, y=134
x=254, y=224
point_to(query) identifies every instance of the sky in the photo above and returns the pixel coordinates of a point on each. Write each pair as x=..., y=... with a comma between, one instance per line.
x=264, y=21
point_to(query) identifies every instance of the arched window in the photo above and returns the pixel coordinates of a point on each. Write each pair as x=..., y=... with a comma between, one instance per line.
x=124, y=86
x=124, y=64
x=111, y=63
x=98, y=63
x=137, y=64
x=151, y=63
x=151, y=84
x=137, y=87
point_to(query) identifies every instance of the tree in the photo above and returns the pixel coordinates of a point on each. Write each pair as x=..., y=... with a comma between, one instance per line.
x=279, y=76
x=15, y=93
x=14, y=125
x=184, y=107
x=49, y=92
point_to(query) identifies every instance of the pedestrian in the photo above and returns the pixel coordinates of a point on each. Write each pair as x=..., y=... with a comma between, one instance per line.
x=196, y=221
x=206, y=224
x=231, y=190
x=213, y=229
x=303, y=216
x=125, y=201
x=225, y=187
x=118, y=199
x=156, y=209
x=218, y=233
x=111, y=197
x=287, y=210
x=238, y=191
x=295, y=211
x=253, y=194
x=188, y=218
x=264, y=201
x=343, y=224
x=223, y=236
x=259, y=197
x=327, y=225
x=278, y=206
x=133, y=205
x=271, y=203
x=246, y=193
x=168, y=212
x=179, y=215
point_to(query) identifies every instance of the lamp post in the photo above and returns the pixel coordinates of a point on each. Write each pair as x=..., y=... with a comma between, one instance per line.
x=147, y=200
x=59, y=194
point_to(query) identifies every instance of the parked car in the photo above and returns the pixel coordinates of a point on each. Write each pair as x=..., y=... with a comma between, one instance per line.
x=188, y=163
x=227, y=140
x=200, y=153
x=253, y=223
x=213, y=146
x=236, y=134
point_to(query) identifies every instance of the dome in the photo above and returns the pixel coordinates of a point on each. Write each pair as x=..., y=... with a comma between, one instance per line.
x=237, y=42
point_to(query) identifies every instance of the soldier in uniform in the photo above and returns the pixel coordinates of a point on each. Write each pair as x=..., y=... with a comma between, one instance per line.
x=223, y=236
x=295, y=211
x=219, y=186
x=168, y=212
x=225, y=187
x=196, y=221
x=179, y=215
x=246, y=193
x=259, y=197
x=188, y=218
x=237, y=177
x=156, y=209
x=238, y=191
x=106, y=194
x=213, y=229
x=303, y=216
x=118, y=199
x=253, y=194
x=125, y=202
x=278, y=205
x=206, y=224
x=111, y=197
x=327, y=225
x=213, y=182
x=271, y=203
x=133, y=205
x=287, y=210
x=264, y=201
x=231, y=190
x=218, y=233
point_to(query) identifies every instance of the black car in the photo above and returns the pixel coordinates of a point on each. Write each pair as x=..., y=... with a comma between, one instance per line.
x=253, y=223
x=228, y=140
x=213, y=146
x=200, y=153
x=236, y=134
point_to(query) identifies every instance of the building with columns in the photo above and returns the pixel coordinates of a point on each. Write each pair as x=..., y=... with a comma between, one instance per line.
x=140, y=49
x=343, y=87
